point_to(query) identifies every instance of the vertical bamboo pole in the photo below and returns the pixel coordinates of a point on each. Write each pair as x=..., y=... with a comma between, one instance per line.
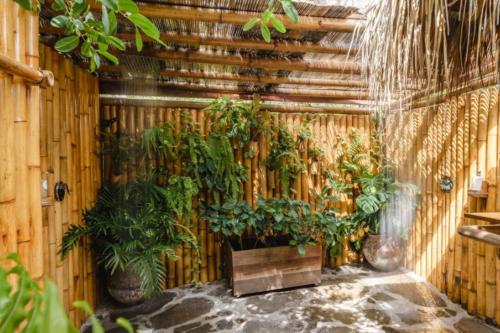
x=466, y=247
x=481, y=158
x=203, y=224
x=491, y=178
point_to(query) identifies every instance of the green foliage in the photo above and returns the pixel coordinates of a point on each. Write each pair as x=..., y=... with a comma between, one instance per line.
x=267, y=19
x=26, y=308
x=179, y=195
x=236, y=119
x=95, y=36
x=367, y=179
x=133, y=225
x=159, y=141
x=273, y=218
x=220, y=171
x=284, y=157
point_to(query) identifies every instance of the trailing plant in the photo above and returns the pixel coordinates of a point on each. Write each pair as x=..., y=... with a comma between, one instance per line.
x=268, y=18
x=133, y=226
x=236, y=119
x=301, y=223
x=284, y=158
x=222, y=174
x=179, y=195
x=26, y=308
x=95, y=36
x=159, y=141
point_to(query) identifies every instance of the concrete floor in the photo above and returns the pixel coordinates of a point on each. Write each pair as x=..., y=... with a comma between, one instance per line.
x=350, y=299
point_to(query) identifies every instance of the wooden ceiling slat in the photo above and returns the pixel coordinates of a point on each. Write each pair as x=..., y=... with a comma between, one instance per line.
x=340, y=109
x=139, y=88
x=247, y=78
x=306, y=23
x=330, y=66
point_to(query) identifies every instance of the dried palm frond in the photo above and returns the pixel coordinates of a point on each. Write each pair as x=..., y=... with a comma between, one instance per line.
x=425, y=46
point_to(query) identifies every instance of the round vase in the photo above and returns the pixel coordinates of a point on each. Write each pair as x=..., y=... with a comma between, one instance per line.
x=125, y=287
x=384, y=254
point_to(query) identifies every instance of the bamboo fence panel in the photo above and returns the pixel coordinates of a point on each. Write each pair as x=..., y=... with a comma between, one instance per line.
x=70, y=152
x=260, y=182
x=458, y=138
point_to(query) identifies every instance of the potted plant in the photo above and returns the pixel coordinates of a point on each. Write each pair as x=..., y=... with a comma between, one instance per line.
x=378, y=224
x=133, y=227
x=277, y=244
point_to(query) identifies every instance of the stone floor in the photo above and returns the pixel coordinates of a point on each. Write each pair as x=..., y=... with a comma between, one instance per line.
x=350, y=299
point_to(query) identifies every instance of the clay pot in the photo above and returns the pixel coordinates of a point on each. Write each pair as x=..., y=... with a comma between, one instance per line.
x=125, y=287
x=384, y=254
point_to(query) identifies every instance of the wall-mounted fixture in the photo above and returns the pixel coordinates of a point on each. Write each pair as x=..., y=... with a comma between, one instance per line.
x=60, y=190
x=446, y=184
x=478, y=187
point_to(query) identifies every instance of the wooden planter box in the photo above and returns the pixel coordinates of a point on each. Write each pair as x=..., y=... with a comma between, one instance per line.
x=265, y=269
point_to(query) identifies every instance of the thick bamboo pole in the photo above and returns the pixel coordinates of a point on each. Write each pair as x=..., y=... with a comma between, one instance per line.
x=331, y=66
x=306, y=23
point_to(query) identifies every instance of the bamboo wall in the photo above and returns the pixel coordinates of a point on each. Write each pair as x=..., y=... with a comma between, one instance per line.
x=456, y=138
x=70, y=152
x=20, y=197
x=136, y=116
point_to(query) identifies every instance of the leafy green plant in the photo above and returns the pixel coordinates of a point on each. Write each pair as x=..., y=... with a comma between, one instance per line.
x=301, y=223
x=236, y=119
x=268, y=18
x=133, y=225
x=284, y=158
x=26, y=308
x=363, y=175
x=95, y=36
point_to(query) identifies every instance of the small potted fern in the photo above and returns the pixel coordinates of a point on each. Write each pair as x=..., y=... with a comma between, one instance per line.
x=133, y=227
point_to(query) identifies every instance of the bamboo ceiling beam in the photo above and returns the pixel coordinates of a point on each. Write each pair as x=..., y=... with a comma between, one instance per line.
x=274, y=46
x=197, y=40
x=112, y=88
x=331, y=66
x=266, y=79
x=335, y=109
x=302, y=92
x=31, y=75
x=306, y=23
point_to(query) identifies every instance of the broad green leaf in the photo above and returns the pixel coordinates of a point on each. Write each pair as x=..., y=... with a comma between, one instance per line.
x=113, y=23
x=54, y=316
x=58, y=5
x=108, y=56
x=67, y=44
x=79, y=7
x=290, y=10
x=266, y=33
x=146, y=26
x=111, y=4
x=125, y=324
x=85, y=49
x=266, y=15
x=96, y=325
x=128, y=6
x=59, y=21
x=250, y=24
x=138, y=40
x=26, y=4
x=116, y=42
x=278, y=25
x=105, y=20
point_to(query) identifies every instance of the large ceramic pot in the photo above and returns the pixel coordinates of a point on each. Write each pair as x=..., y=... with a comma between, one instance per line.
x=384, y=254
x=125, y=287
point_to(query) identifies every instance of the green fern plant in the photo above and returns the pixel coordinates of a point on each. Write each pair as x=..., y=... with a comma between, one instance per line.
x=133, y=226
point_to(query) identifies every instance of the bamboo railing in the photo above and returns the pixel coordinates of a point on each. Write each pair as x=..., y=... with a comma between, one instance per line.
x=69, y=151
x=455, y=138
x=135, y=116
